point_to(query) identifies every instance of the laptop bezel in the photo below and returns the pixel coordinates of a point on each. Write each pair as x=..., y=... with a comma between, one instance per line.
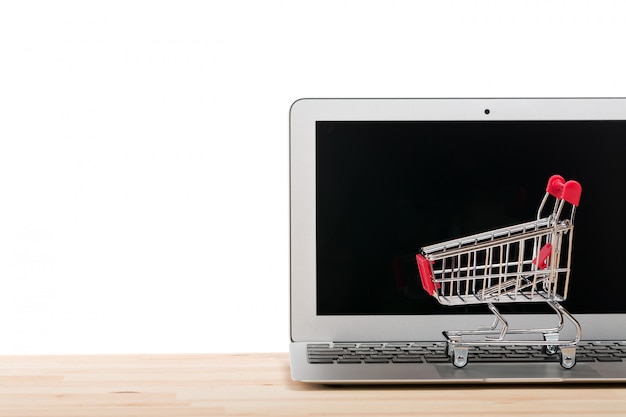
x=306, y=325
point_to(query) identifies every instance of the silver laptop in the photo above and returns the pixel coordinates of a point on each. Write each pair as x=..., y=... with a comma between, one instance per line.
x=379, y=186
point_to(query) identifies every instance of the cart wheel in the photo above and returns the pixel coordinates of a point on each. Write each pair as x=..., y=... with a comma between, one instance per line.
x=459, y=357
x=568, y=357
x=549, y=349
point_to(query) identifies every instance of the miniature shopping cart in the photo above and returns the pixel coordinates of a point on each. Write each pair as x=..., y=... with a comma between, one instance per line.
x=527, y=263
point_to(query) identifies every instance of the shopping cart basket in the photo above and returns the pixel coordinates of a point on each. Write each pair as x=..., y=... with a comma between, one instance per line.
x=527, y=263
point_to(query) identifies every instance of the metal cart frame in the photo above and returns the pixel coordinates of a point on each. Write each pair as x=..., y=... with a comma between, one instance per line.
x=523, y=263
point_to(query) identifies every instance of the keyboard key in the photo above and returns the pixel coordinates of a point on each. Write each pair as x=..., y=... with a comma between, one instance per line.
x=349, y=360
x=436, y=358
x=376, y=360
x=517, y=355
x=315, y=360
x=371, y=345
x=407, y=359
x=490, y=356
x=608, y=359
x=324, y=351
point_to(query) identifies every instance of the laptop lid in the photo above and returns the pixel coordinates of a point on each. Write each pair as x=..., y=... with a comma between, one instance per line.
x=374, y=180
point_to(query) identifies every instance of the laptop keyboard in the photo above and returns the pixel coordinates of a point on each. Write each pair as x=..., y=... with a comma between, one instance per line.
x=352, y=353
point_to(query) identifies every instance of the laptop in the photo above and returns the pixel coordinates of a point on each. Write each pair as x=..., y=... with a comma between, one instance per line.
x=375, y=184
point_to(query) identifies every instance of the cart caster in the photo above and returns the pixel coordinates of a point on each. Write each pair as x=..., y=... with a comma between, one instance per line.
x=459, y=356
x=549, y=349
x=568, y=357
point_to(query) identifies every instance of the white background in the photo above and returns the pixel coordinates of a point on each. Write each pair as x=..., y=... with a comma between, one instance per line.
x=144, y=145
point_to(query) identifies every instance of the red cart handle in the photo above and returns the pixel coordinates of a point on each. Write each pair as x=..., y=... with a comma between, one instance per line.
x=555, y=186
x=569, y=191
x=425, y=269
x=542, y=261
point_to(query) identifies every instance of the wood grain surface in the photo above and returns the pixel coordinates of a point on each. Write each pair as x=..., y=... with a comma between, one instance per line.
x=259, y=385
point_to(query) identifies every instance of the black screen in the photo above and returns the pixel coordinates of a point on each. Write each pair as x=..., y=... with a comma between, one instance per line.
x=386, y=189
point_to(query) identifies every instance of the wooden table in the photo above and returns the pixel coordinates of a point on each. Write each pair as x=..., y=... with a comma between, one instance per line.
x=258, y=385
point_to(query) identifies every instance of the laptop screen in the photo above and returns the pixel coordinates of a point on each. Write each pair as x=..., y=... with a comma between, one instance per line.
x=384, y=189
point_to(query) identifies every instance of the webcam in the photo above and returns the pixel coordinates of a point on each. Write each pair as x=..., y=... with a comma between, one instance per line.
x=487, y=111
